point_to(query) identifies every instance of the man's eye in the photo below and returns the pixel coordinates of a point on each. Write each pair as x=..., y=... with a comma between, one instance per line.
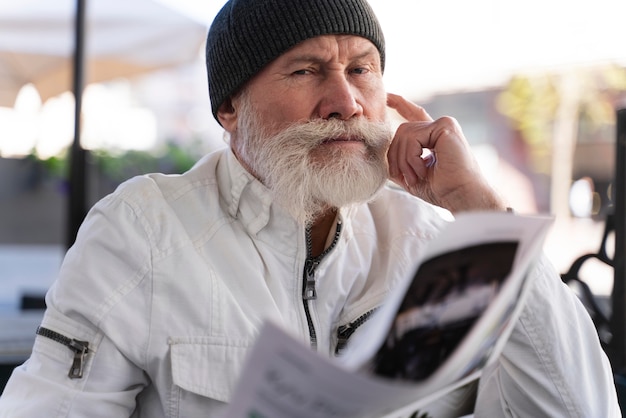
x=360, y=70
x=301, y=72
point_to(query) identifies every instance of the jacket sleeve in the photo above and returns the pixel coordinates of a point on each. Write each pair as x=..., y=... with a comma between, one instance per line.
x=553, y=364
x=108, y=265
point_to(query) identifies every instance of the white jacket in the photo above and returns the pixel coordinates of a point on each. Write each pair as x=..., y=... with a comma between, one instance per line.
x=171, y=277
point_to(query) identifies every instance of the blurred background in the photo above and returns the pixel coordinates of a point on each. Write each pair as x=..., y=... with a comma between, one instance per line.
x=534, y=84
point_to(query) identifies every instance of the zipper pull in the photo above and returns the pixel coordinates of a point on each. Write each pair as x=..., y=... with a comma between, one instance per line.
x=309, y=292
x=343, y=335
x=80, y=349
x=344, y=332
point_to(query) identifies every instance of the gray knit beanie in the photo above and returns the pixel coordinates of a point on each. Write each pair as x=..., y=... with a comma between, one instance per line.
x=246, y=35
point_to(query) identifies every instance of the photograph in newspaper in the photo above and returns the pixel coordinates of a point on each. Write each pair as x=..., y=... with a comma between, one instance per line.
x=446, y=297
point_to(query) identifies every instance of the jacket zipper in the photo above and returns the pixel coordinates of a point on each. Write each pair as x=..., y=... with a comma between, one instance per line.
x=80, y=349
x=344, y=332
x=309, y=291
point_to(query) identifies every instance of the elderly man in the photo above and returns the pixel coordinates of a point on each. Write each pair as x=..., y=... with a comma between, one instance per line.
x=171, y=277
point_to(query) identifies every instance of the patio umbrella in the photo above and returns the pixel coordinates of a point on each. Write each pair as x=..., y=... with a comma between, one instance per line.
x=122, y=38
x=63, y=44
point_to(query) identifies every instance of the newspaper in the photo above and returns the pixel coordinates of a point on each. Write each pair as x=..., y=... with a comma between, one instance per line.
x=433, y=334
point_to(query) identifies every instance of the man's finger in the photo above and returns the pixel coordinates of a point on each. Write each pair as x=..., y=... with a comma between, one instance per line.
x=407, y=109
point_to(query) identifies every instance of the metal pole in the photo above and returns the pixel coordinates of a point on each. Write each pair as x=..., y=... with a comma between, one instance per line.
x=77, y=201
x=617, y=346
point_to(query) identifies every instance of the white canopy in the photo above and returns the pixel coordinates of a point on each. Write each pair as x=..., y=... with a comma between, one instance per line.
x=123, y=38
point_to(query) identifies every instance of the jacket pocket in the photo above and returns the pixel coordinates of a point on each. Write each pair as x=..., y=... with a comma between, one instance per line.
x=208, y=366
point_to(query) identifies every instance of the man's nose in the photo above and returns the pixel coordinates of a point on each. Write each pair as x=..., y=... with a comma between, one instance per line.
x=339, y=99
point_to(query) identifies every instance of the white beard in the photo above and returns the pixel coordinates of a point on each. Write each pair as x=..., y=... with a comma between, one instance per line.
x=307, y=178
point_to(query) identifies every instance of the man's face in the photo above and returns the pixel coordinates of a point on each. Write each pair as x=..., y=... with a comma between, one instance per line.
x=312, y=125
x=324, y=77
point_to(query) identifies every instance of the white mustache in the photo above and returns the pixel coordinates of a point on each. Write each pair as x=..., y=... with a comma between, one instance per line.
x=313, y=133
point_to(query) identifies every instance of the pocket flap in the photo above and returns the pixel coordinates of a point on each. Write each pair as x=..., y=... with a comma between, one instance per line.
x=208, y=366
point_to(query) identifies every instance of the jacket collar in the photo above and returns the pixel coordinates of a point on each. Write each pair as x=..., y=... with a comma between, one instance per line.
x=250, y=202
x=247, y=199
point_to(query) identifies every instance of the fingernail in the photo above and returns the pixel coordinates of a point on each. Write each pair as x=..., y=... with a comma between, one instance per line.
x=430, y=159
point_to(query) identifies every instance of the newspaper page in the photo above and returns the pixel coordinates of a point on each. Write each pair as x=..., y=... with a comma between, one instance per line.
x=433, y=334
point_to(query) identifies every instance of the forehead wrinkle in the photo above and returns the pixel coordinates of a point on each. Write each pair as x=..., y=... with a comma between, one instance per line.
x=297, y=57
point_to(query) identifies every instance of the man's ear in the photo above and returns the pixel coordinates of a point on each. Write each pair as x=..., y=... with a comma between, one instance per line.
x=227, y=115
